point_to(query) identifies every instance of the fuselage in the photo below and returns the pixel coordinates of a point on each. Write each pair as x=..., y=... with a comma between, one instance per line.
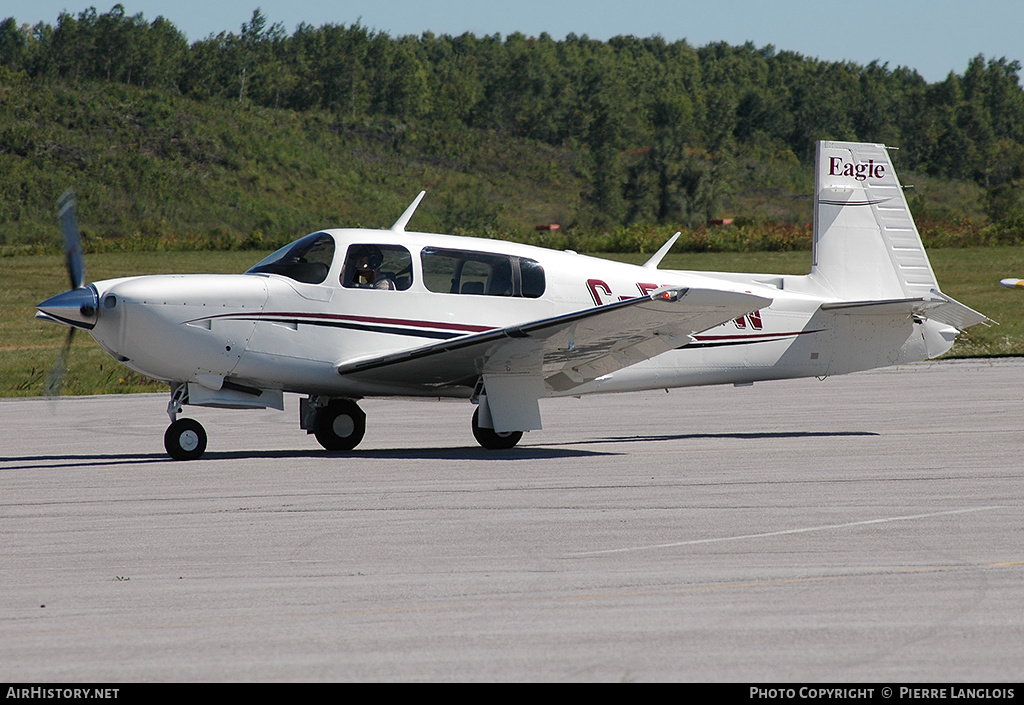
x=289, y=322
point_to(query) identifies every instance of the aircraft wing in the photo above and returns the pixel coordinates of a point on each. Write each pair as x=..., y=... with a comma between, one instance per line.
x=564, y=351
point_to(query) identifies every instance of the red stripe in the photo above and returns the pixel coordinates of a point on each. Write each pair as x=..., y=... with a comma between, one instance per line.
x=360, y=319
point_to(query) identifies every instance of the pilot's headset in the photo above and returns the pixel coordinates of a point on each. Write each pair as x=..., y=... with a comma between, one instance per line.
x=366, y=271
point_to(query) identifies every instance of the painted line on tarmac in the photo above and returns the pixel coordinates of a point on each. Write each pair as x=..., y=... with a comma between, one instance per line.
x=784, y=532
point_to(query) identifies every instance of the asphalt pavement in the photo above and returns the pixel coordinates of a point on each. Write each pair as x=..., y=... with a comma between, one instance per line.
x=859, y=529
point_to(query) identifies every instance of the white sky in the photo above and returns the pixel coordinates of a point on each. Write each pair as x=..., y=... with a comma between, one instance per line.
x=932, y=36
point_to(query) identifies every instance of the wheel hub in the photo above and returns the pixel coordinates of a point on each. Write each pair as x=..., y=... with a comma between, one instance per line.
x=189, y=440
x=343, y=425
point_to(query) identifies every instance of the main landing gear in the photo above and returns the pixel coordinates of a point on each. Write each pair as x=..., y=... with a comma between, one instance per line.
x=340, y=425
x=491, y=439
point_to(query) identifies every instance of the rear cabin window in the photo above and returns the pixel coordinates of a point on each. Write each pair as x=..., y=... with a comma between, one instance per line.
x=372, y=266
x=481, y=273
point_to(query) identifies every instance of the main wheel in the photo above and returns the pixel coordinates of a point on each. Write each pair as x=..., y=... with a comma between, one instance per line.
x=185, y=439
x=491, y=439
x=340, y=425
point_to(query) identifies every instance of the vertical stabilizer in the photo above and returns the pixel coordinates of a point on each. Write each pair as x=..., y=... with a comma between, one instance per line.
x=866, y=246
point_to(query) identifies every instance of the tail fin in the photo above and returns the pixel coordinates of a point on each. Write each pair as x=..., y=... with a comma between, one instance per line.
x=866, y=245
x=867, y=249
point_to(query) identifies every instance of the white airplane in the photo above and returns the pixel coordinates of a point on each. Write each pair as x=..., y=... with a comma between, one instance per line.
x=340, y=315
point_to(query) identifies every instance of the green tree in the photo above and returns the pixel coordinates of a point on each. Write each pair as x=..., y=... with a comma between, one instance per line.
x=454, y=81
x=13, y=45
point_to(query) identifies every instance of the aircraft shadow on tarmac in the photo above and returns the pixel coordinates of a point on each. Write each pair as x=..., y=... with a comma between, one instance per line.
x=720, y=436
x=49, y=462
x=455, y=453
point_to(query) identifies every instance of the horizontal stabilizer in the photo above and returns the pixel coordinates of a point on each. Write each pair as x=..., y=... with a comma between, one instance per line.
x=936, y=307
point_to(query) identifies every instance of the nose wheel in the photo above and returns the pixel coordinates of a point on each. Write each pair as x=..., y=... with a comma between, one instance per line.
x=185, y=439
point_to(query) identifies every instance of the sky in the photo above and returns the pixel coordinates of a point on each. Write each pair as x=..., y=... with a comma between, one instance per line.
x=934, y=37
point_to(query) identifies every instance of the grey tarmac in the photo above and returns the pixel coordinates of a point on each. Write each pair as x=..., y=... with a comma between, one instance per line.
x=859, y=529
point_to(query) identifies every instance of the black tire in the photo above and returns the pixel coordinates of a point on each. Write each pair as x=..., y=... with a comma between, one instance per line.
x=185, y=439
x=340, y=425
x=491, y=439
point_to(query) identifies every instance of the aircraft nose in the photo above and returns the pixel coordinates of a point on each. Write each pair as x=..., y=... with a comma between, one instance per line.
x=78, y=308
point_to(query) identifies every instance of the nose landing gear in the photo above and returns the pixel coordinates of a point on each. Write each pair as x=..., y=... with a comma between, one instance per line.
x=185, y=439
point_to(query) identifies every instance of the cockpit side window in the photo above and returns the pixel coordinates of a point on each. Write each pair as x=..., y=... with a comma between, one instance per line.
x=306, y=260
x=482, y=273
x=371, y=266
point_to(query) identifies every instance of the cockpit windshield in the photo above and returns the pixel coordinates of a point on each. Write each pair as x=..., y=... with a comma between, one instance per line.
x=306, y=260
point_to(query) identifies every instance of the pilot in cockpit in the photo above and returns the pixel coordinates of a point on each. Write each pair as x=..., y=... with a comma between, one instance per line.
x=363, y=269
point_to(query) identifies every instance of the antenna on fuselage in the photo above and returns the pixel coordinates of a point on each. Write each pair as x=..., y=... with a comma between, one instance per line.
x=399, y=226
x=655, y=260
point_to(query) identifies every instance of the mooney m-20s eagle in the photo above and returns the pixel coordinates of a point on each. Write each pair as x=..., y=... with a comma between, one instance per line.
x=340, y=315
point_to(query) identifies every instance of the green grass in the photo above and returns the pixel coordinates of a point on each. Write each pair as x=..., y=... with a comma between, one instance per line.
x=28, y=347
x=971, y=276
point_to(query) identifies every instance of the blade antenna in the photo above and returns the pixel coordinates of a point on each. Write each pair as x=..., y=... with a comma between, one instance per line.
x=399, y=226
x=655, y=260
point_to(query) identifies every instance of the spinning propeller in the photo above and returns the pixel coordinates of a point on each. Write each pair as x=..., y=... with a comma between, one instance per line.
x=76, y=308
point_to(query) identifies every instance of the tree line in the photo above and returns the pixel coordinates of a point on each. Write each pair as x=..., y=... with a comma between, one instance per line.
x=659, y=124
